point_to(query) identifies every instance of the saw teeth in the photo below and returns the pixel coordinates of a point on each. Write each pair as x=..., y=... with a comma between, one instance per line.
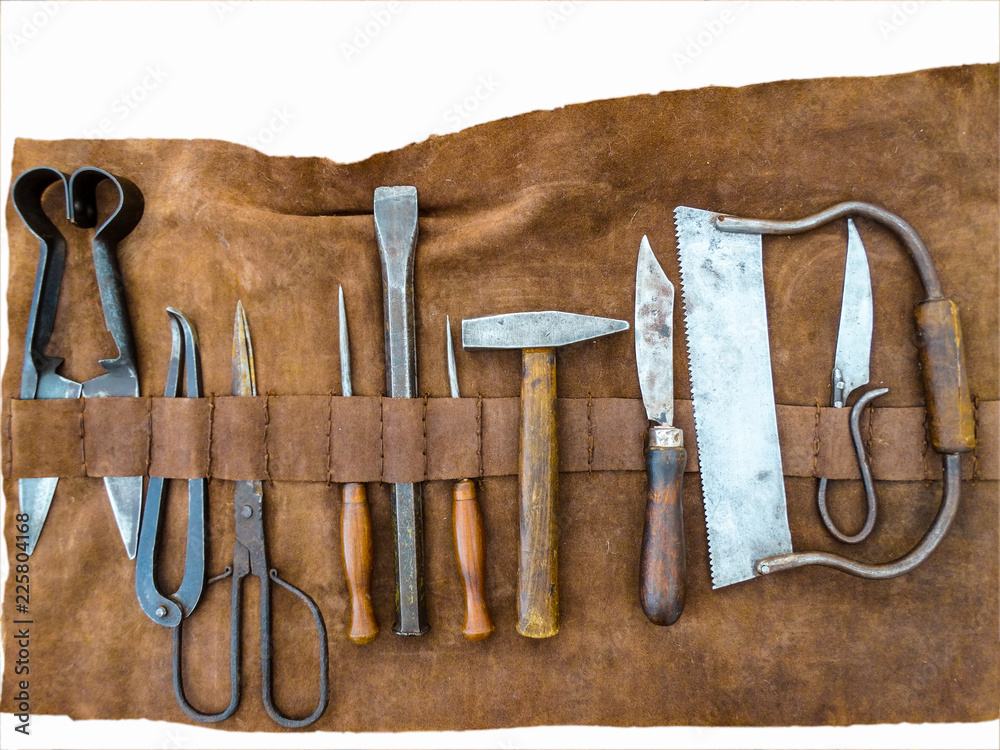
x=681, y=260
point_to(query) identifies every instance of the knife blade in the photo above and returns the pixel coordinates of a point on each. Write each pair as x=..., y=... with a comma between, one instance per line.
x=851, y=365
x=854, y=337
x=662, y=561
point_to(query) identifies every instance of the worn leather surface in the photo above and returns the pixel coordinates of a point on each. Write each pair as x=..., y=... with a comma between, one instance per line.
x=540, y=211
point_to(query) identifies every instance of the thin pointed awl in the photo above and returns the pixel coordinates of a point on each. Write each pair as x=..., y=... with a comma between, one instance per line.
x=345, y=348
x=452, y=369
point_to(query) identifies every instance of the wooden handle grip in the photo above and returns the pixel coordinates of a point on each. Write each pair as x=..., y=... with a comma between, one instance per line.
x=946, y=386
x=356, y=535
x=662, y=563
x=538, y=595
x=470, y=549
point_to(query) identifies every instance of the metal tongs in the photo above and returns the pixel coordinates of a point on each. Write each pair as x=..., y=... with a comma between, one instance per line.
x=39, y=379
x=170, y=610
x=948, y=402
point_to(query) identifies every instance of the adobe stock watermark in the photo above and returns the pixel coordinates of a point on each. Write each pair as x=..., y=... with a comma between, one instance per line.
x=698, y=42
x=33, y=24
x=460, y=111
x=898, y=18
x=366, y=33
x=128, y=101
x=223, y=8
x=279, y=120
x=558, y=13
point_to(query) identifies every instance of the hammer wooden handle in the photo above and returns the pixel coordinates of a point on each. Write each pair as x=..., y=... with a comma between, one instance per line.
x=538, y=596
x=356, y=535
x=662, y=565
x=470, y=549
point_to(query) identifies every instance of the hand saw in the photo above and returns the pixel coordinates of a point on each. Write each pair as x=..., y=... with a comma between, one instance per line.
x=723, y=291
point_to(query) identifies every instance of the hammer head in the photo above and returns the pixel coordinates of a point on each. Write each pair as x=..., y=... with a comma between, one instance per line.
x=535, y=330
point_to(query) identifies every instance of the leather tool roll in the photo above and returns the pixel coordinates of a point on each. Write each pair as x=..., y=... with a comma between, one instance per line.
x=537, y=212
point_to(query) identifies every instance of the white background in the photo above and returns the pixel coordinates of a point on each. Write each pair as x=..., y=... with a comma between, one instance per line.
x=346, y=80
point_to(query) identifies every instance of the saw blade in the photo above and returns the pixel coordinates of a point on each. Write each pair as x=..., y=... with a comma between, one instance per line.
x=722, y=289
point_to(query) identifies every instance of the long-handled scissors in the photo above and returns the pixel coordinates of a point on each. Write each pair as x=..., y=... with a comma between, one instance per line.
x=250, y=558
x=39, y=379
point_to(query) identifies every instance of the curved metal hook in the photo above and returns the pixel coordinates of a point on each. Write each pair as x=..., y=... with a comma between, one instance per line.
x=942, y=522
x=265, y=653
x=866, y=476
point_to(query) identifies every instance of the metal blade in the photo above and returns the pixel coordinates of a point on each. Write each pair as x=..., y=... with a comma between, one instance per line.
x=722, y=287
x=452, y=369
x=35, y=497
x=854, y=338
x=52, y=385
x=345, y=349
x=244, y=380
x=125, y=494
x=535, y=330
x=654, y=336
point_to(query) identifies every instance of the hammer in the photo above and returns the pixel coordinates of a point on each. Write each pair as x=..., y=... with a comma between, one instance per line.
x=537, y=334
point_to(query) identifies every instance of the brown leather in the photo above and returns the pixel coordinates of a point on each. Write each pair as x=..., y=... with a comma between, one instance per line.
x=395, y=440
x=541, y=211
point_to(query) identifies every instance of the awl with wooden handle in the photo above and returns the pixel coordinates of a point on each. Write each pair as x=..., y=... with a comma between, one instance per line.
x=356, y=523
x=662, y=562
x=470, y=536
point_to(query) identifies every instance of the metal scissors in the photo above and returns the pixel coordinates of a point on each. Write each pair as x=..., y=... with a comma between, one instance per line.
x=170, y=610
x=38, y=375
x=851, y=371
x=250, y=558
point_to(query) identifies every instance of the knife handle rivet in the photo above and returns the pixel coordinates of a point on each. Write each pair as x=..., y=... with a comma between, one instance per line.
x=765, y=569
x=161, y=611
x=246, y=511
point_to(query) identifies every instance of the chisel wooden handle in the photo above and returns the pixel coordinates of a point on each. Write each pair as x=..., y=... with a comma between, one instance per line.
x=662, y=563
x=470, y=549
x=356, y=535
x=538, y=596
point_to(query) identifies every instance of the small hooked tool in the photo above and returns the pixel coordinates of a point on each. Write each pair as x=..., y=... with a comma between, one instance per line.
x=170, y=610
x=851, y=371
x=39, y=379
x=250, y=558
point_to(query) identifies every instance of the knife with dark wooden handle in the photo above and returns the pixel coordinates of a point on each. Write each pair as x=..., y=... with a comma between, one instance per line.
x=662, y=561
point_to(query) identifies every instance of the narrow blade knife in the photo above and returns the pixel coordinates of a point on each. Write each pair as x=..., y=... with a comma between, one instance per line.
x=662, y=562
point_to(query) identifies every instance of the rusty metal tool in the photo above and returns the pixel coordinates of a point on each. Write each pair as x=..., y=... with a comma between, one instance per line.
x=537, y=334
x=169, y=610
x=662, y=560
x=356, y=522
x=704, y=238
x=851, y=371
x=39, y=379
x=250, y=558
x=470, y=535
x=396, y=232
